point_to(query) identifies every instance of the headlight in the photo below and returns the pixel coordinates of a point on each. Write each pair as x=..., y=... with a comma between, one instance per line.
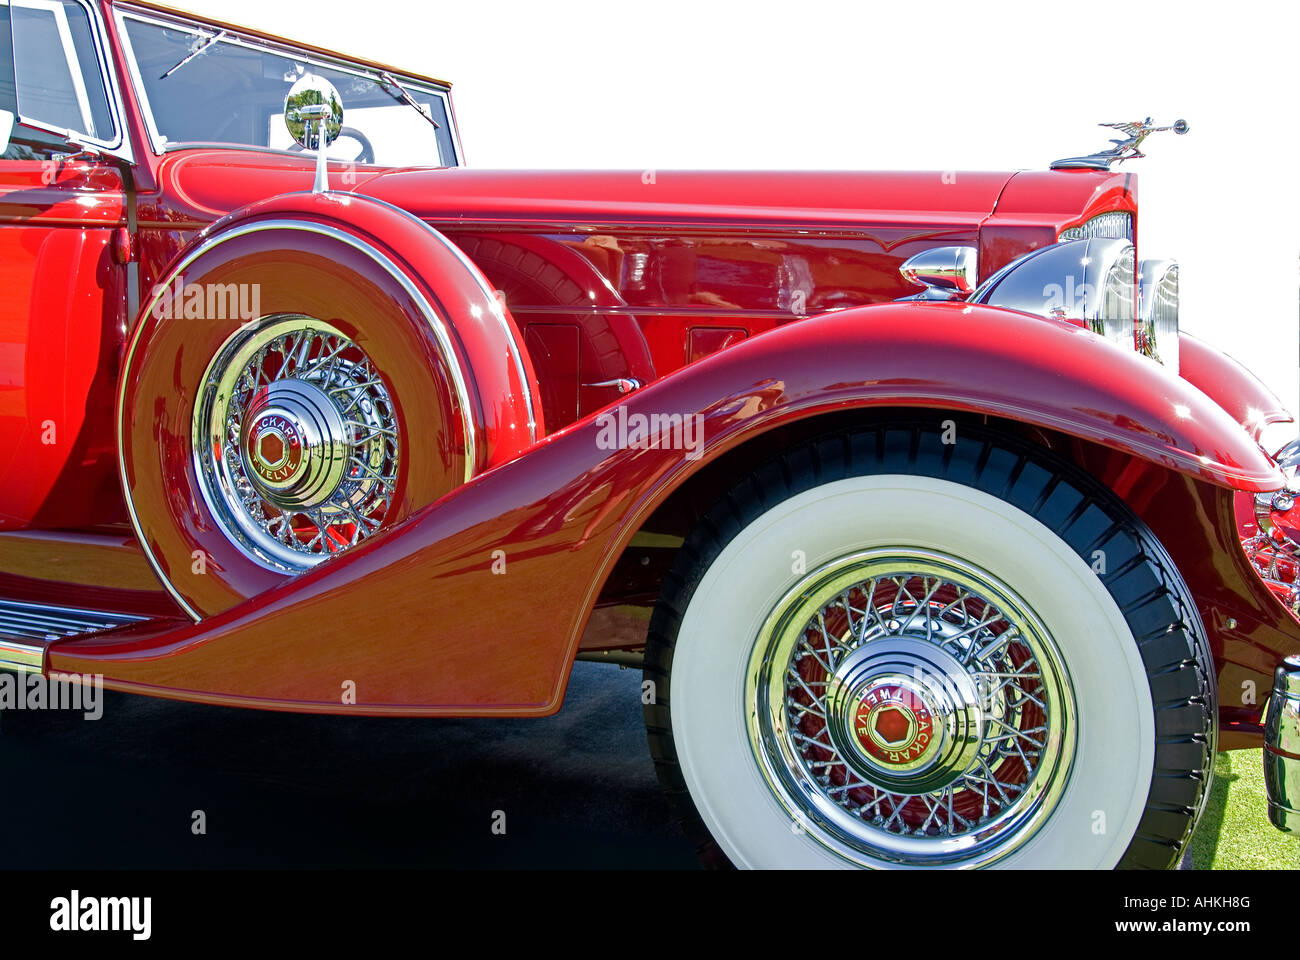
x=1157, y=327
x=1114, y=319
x=1088, y=282
x=1105, y=226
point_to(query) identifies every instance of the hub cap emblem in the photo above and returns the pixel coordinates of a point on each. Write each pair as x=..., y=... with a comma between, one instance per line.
x=894, y=725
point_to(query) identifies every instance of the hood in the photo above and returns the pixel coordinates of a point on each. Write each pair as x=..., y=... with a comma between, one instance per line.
x=673, y=196
x=211, y=182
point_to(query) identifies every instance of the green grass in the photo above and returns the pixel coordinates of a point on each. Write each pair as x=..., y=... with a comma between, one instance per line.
x=1235, y=833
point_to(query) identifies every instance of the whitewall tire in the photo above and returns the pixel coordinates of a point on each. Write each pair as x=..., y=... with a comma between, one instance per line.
x=872, y=654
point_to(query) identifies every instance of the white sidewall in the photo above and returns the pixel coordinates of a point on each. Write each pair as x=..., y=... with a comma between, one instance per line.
x=1103, y=801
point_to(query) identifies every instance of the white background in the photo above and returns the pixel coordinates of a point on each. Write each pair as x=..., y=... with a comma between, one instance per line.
x=932, y=85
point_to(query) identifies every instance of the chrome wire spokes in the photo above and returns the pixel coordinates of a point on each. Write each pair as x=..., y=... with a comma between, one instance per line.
x=982, y=641
x=911, y=709
x=302, y=450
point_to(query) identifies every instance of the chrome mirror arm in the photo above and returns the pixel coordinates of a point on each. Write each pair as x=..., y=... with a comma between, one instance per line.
x=322, y=182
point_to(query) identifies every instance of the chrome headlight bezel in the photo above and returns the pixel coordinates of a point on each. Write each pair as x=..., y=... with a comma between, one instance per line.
x=1090, y=282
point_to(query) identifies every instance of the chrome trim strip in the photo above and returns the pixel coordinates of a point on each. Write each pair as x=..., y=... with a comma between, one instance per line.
x=434, y=319
x=580, y=310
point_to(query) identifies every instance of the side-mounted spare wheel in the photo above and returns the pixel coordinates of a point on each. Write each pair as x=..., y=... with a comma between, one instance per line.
x=888, y=650
x=312, y=370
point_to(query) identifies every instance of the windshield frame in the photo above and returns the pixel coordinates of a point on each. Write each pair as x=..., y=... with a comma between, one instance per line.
x=243, y=36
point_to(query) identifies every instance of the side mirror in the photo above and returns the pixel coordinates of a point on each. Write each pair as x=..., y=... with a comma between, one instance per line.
x=947, y=273
x=311, y=107
x=6, y=128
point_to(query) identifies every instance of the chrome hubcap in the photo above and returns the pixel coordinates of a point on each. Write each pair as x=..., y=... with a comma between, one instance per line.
x=906, y=707
x=295, y=442
x=904, y=714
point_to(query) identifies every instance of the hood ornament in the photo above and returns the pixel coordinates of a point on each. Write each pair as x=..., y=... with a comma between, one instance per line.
x=1125, y=149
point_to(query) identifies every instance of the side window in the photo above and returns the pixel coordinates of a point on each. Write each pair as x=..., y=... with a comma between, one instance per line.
x=56, y=68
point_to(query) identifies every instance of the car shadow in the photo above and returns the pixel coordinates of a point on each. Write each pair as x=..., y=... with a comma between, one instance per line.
x=285, y=790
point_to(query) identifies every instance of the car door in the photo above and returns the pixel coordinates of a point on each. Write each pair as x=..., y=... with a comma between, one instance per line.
x=62, y=292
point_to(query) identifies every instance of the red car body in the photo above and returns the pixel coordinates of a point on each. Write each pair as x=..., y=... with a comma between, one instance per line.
x=676, y=284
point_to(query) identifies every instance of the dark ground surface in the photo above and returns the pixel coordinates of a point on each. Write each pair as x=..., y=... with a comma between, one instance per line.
x=283, y=790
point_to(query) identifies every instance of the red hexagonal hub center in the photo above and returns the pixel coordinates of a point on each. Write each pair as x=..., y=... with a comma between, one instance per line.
x=274, y=448
x=271, y=448
x=893, y=725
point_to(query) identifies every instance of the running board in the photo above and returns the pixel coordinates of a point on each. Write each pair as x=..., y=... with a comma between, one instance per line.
x=26, y=629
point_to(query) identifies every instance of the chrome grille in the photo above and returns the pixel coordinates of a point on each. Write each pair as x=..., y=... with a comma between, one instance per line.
x=1105, y=226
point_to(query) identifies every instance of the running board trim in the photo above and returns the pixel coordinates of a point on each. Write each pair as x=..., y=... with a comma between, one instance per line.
x=26, y=629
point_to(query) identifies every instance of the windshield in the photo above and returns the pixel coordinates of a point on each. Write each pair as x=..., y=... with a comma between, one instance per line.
x=204, y=85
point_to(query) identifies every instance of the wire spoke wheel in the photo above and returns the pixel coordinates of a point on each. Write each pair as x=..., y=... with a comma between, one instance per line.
x=296, y=442
x=905, y=706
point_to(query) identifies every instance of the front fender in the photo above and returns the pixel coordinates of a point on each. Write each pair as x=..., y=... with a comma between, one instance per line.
x=1230, y=385
x=476, y=604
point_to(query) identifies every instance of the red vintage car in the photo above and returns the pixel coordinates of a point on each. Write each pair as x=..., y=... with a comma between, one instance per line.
x=938, y=544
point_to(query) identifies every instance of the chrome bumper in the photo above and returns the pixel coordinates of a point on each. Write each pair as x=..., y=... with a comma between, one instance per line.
x=1282, y=747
